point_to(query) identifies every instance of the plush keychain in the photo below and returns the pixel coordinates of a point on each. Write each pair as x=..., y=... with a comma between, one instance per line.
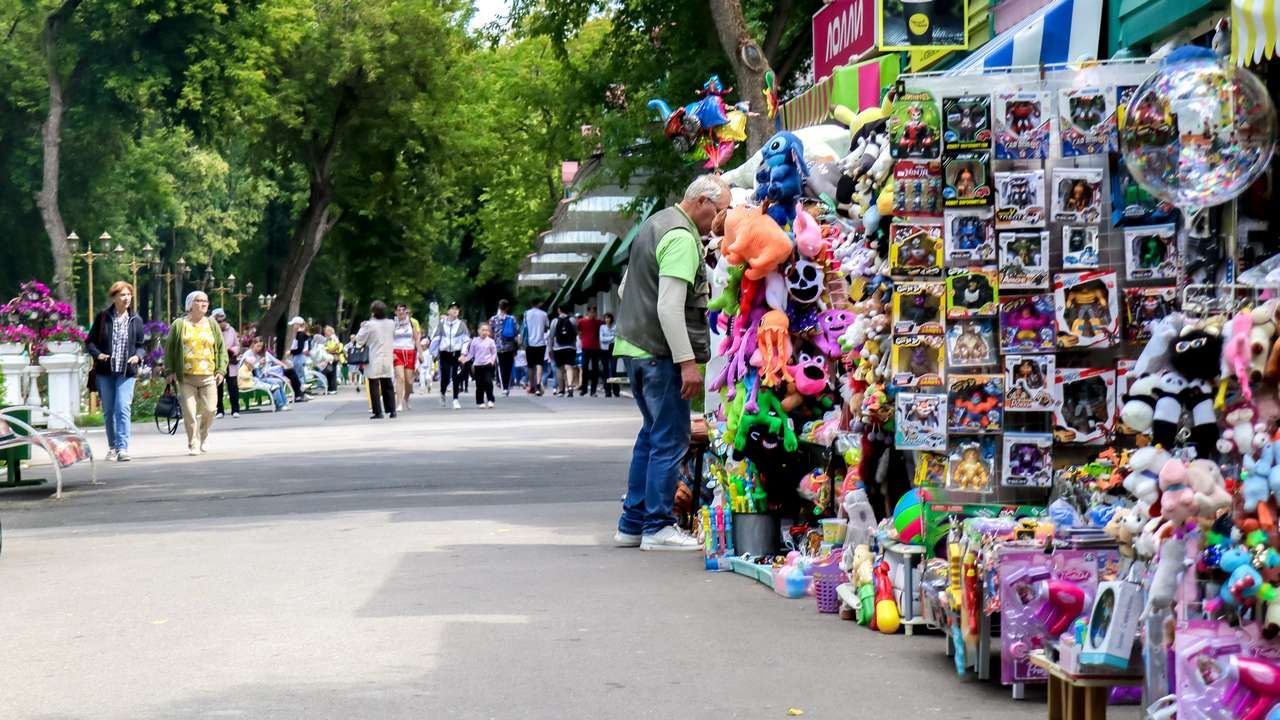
x=773, y=349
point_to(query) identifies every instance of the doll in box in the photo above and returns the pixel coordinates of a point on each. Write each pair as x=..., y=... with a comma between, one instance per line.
x=918, y=361
x=1029, y=383
x=970, y=236
x=1079, y=246
x=917, y=308
x=1024, y=259
x=972, y=292
x=1028, y=324
x=1086, y=405
x=1027, y=460
x=1151, y=253
x=971, y=342
x=1020, y=199
x=971, y=464
x=915, y=250
x=1086, y=306
x=967, y=122
x=921, y=423
x=1077, y=195
x=977, y=403
x=1146, y=307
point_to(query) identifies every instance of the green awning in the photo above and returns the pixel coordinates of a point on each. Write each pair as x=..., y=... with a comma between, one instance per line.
x=623, y=251
x=601, y=270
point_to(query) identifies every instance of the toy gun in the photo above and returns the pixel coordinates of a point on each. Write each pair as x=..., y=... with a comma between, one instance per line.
x=887, y=618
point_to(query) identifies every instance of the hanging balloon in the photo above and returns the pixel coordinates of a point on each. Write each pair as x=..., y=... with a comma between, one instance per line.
x=1199, y=131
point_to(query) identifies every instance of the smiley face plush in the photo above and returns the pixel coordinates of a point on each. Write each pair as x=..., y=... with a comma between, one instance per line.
x=810, y=373
x=831, y=325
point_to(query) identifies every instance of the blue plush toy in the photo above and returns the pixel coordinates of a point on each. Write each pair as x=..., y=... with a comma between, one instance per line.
x=781, y=176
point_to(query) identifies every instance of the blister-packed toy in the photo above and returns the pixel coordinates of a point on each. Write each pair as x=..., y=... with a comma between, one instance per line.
x=1024, y=259
x=1029, y=383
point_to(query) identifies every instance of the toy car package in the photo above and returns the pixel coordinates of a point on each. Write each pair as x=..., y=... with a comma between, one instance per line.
x=973, y=292
x=1028, y=460
x=918, y=308
x=971, y=463
x=917, y=188
x=1087, y=119
x=1024, y=259
x=1028, y=324
x=966, y=122
x=1144, y=307
x=1020, y=199
x=1086, y=405
x=966, y=180
x=915, y=250
x=1021, y=121
x=1080, y=246
x=915, y=128
x=971, y=342
x=976, y=403
x=1088, y=309
x=918, y=362
x=970, y=235
x=921, y=422
x=1029, y=383
x=1151, y=252
x=1077, y=195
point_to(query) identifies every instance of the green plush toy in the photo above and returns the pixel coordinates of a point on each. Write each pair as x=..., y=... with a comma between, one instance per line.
x=733, y=411
x=770, y=416
x=728, y=299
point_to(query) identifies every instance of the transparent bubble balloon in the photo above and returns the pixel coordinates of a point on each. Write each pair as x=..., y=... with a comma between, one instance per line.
x=1198, y=132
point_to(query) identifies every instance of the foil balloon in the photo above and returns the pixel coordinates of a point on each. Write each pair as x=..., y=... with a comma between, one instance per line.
x=1199, y=131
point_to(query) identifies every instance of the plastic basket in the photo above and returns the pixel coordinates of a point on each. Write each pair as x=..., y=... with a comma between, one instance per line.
x=826, y=578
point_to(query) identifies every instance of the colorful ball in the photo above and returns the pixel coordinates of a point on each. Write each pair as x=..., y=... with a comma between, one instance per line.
x=908, y=518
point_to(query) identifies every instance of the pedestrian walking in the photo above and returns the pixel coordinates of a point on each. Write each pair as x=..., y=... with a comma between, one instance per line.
x=520, y=372
x=506, y=333
x=116, y=345
x=299, y=349
x=564, y=351
x=338, y=354
x=609, y=364
x=592, y=360
x=663, y=334
x=483, y=354
x=378, y=335
x=196, y=360
x=534, y=338
x=447, y=344
x=406, y=335
x=231, y=340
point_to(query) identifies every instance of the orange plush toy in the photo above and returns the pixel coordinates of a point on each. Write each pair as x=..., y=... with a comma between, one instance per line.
x=773, y=348
x=756, y=240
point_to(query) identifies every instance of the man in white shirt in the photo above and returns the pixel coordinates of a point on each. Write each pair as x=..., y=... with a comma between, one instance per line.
x=535, y=328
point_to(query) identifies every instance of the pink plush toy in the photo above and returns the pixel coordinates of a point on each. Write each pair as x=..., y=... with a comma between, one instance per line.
x=738, y=347
x=1237, y=353
x=1177, y=499
x=809, y=238
x=810, y=373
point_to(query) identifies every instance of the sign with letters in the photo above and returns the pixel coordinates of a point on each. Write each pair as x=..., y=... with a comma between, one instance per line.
x=842, y=31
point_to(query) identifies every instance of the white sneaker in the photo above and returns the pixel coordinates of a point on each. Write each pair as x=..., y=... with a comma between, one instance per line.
x=204, y=448
x=443, y=402
x=456, y=405
x=670, y=538
x=625, y=540
x=489, y=404
x=193, y=451
x=123, y=456
x=111, y=455
x=235, y=415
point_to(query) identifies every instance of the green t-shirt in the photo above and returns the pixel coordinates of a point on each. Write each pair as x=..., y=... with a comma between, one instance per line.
x=679, y=253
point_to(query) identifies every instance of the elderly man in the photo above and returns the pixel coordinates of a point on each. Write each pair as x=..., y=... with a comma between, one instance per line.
x=662, y=335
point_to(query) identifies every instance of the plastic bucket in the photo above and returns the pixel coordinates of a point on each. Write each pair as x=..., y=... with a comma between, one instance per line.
x=833, y=531
x=755, y=534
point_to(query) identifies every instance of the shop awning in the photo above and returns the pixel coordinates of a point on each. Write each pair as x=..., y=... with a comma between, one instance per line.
x=810, y=107
x=601, y=270
x=1061, y=32
x=1255, y=30
x=856, y=86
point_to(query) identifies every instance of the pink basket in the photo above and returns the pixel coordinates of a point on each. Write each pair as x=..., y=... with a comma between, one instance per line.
x=826, y=578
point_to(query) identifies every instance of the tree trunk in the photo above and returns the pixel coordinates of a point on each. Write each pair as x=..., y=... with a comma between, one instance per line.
x=317, y=220
x=749, y=66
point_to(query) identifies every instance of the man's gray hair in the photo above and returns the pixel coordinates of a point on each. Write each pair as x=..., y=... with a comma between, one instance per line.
x=707, y=186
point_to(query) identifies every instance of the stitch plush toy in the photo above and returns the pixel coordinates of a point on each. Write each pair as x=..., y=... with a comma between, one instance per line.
x=758, y=241
x=773, y=349
x=780, y=178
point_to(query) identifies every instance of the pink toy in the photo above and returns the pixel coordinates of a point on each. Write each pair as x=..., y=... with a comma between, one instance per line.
x=809, y=238
x=1237, y=353
x=1063, y=603
x=1256, y=688
x=738, y=348
x=1177, y=499
x=831, y=325
x=810, y=373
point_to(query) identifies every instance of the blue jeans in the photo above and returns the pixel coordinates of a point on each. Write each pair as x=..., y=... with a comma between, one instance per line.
x=116, y=392
x=660, y=446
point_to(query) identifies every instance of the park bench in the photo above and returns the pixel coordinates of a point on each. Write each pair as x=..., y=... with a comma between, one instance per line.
x=256, y=397
x=65, y=447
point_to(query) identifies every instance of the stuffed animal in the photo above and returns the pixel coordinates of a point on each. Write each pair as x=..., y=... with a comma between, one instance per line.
x=1261, y=336
x=773, y=350
x=1261, y=480
x=1177, y=499
x=1164, y=583
x=809, y=374
x=1143, y=480
x=775, y=291
x=781, y=176
x=1118, y=529
x=1156, y=402
x=1212, y=498
x=757, y=240
x=727, y=300
x=808, y=232
x=1237, y=353
x=738, y=348
x=831, y=325
x=769, y=427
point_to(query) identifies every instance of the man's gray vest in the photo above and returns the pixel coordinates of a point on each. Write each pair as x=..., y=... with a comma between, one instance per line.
x=638, y=317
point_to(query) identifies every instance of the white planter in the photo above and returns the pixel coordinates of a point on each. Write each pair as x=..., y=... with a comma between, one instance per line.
x=12, y=348
x=63, y=347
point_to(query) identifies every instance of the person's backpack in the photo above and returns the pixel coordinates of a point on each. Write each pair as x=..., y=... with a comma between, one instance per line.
x=509, y=328
x=565, y=333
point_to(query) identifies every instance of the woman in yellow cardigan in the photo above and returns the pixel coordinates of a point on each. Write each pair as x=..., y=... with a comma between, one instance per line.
x=196, y=360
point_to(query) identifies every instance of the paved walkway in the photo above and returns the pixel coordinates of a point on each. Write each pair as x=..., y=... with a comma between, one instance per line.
x=445, y=565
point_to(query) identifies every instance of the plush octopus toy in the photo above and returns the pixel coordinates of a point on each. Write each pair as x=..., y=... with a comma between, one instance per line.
x=773, y=349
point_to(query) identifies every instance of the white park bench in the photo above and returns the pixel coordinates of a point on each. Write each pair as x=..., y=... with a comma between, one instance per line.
x=65, y=446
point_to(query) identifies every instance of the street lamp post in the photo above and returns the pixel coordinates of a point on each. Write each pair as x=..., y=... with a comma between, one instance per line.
x=135, y=265
x=240, y=296
x=90, y=257
x=177, y=271
x=228, y=284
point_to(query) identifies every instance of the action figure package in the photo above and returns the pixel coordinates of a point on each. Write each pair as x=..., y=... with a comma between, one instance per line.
x=1021, y=125
x=1028, y=324
x=931, y=467
x=971, y=237
x=1087, y=119
x=966, y=179
x=1080, y=246
x=971, y=463
x=1024, y=260
x=1020, y=199
x=1088, y=309
x=918, y=362
x=1028, y=460
x=976, y=402
x=917, y=188
x=1086, y=405
x=1124, y=93
x=1029, y=383
x=918, y=308
x=1077, y=195
x=973, y=292
x=966, y=122
x=1124, y=376
x=971, y=343
x=1131, y=204
x=1144, y=308
x=915, y=127
x=1151, y=252
x=915, y=250
x=921, y=422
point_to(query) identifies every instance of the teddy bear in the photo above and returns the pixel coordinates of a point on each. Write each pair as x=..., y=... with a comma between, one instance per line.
x=1178, y=502
x=1157, y=400
x=1262, y=334
x=755, y=239
x=1117, y=528
x=1143, y=480
x=1212, y=498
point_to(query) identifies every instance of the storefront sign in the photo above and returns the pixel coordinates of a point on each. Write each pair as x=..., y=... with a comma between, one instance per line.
x=842, y=31
x=917, y=25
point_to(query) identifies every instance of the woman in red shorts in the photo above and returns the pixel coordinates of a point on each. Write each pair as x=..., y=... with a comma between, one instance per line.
x=405, y=347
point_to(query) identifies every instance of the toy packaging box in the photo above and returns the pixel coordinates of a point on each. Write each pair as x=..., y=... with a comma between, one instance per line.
x=1028, y=324
x=966, y=180
x=919, y=362
x=1020, y=199
x=966, y=122
x=1077, y=195
x=1151, y=252
x=915, y=126
x=971, y=342
x=1088, y=309
x=1144, y=307
x=1027, y=460
x=1024, y=260
x=971, y=236
x=931, y=467
x=1021, y=121
x=1087, y=119
x=921, y=422
x=973, y=292
x=917, y=188
x=1086, y=405
x=1131, y=205
x=976, y=403
x=1124, y=93
x=1030, y=383
x=1113, y=624
x=1080, y=246
x=918, y=308
x=971, y=463
x=915, y=250
x=1124, y=376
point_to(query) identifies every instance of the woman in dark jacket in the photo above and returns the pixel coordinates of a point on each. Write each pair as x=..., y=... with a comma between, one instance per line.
x=116, y=345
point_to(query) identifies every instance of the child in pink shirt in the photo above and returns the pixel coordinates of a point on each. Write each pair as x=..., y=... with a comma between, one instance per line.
x=483, y=354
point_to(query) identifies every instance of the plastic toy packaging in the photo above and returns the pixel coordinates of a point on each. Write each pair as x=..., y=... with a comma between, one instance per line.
x=1151, y=252
x=1086, y=405
x=1124, y=93
x=966, y=180
x=1077, y=195
x=970, y=235
x=966, y=122
x=1132, y=205
x=921, y=422
x=1028, y=324
x=918, y=362
x=971, y=463
x=1087, y=118
x=1029, y=382
x=1087, y=308
x=1206, y=668
x=1020, y=199
x=915, y=250
x=1040, y=598
x=915, y=128
x=917, y=188
x=1021, y=125
x=1027, y=460
x=1080, y=246
x=918, y=308
x=973, y=292
x=1124, y=375
x=1024, y=260
x=1144, y=307
x=977, y=403
x=971, y=343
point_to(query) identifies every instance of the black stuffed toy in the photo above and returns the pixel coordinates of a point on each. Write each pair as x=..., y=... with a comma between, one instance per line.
x=1188, y=386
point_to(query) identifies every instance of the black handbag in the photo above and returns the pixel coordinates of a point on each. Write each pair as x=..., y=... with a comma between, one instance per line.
x=168, y=410
x=359, y=355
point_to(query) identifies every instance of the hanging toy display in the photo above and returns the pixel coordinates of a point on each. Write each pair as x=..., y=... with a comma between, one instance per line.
x=706, y=129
